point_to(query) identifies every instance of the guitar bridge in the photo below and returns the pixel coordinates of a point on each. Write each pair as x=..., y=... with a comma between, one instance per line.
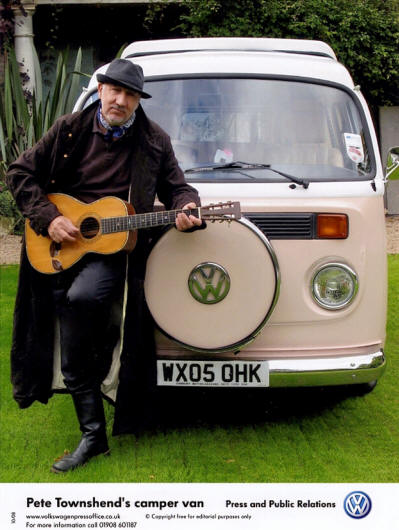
x=55, y=249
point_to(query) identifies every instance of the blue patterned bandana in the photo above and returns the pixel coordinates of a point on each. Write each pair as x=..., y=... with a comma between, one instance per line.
x=114, y=131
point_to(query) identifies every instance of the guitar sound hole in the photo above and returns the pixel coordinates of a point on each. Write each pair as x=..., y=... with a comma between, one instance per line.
x=89, y=227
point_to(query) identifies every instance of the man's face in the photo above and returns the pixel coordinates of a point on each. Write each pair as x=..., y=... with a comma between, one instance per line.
x=118, y=103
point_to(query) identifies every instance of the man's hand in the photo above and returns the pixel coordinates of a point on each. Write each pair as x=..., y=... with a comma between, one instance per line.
x=62, y=229
x=185, y=223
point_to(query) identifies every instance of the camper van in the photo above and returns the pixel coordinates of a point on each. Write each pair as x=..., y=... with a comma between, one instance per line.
x=289, y=290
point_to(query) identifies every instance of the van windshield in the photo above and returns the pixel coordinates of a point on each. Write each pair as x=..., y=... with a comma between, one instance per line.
x=304, y=129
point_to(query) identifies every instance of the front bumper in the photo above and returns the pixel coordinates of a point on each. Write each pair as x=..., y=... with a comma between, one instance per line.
x=287, y=372
x=355, y=369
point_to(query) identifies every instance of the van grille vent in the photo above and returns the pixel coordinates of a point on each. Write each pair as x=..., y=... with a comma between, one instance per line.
x=285, y=225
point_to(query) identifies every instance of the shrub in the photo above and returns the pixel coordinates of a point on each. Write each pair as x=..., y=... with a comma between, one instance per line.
x=26, y=117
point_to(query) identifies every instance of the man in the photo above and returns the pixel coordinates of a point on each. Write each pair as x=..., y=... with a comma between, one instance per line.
x=110, y=148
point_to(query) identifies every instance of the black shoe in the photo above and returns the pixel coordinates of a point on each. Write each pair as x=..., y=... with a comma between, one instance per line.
x=86, y=449
x=90, y=413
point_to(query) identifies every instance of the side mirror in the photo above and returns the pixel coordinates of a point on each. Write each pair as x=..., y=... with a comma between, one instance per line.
x=392, y=166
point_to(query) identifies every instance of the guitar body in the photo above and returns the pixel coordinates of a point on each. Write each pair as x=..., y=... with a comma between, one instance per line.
x=49, y=257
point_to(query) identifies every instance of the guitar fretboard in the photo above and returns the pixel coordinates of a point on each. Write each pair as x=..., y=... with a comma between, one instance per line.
x=111, y=225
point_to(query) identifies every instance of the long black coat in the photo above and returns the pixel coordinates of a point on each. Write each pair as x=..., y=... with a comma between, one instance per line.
x=48, y=168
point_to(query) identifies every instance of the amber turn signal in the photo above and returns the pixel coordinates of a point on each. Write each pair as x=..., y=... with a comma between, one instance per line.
x=332, y=226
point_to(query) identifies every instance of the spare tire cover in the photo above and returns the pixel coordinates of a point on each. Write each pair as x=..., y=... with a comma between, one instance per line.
x=213, y=289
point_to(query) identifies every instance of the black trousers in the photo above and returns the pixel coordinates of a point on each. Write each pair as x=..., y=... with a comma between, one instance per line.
x=83, y=296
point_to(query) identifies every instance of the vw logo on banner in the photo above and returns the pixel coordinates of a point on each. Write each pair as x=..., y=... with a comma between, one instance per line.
x=357, y=504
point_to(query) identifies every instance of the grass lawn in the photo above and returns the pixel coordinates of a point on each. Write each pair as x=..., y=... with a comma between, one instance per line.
x=312, y=435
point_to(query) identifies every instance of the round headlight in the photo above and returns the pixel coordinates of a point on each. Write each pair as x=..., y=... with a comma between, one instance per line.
x=334, y=286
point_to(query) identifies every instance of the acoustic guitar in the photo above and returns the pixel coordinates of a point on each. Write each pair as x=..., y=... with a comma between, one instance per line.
x=106, y=226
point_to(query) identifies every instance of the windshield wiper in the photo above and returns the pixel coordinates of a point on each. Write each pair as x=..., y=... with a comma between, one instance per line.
x=247, y=165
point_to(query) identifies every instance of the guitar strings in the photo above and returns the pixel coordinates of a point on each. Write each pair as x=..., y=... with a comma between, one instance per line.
x=148, y=219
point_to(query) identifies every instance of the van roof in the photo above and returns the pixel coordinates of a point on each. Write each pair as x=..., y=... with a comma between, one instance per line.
x=294, y=46
x=236, y=57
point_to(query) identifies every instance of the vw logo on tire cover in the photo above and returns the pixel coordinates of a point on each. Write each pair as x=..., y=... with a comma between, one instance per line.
x=209, y=283
x=212, y=290
x=357, y=504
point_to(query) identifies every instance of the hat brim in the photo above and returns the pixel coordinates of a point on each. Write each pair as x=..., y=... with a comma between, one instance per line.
x=102, y=78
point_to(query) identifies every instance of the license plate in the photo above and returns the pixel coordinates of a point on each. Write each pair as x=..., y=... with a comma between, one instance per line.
x=213, y=373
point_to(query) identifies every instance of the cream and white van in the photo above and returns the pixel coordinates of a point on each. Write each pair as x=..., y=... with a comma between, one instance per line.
x=294, y=292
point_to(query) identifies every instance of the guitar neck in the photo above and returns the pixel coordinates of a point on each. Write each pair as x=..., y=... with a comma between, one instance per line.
x=110, y=225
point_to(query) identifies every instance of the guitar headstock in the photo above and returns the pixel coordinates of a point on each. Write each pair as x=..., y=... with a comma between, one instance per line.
x=222, y=211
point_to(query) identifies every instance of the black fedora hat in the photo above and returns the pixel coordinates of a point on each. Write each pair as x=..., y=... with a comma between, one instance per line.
x=124, y=73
